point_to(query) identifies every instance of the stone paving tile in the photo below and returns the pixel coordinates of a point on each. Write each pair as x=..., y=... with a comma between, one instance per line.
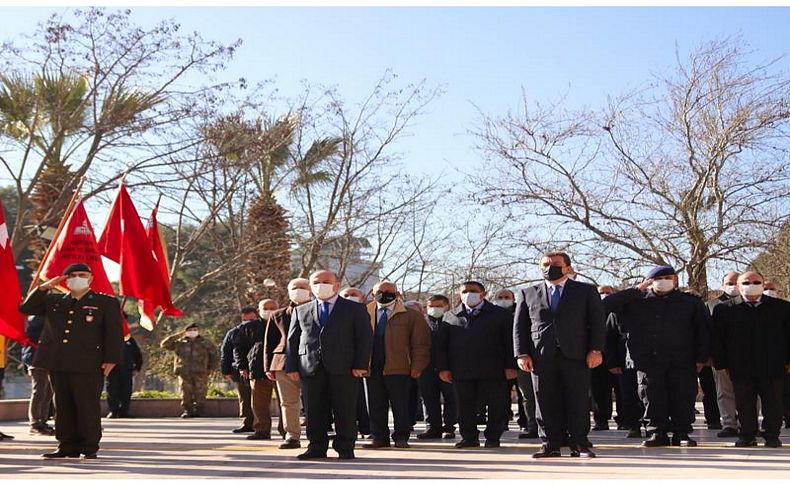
x=205, y=448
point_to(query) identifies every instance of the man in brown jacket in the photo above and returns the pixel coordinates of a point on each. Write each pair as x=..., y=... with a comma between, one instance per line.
x=401, y=350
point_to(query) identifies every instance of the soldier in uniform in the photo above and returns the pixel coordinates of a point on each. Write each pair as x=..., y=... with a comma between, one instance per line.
x=195, y=359
x=81, y=343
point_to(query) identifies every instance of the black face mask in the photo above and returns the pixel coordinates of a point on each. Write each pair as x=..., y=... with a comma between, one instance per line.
x=385, y=297
x=552, y=273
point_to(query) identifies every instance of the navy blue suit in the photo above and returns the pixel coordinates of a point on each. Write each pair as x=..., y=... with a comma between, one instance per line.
x=558, y=344
x=324, y=357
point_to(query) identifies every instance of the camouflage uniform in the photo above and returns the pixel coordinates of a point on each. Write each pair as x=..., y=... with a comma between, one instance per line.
x=194, y=360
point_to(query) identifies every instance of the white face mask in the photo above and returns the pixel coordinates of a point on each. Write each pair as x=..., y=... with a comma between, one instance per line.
x=751, y=290
x=604, y=295
x=471, y=299
x=663, y=286
x=771, y=293
x=192, y=334
x=731, y=290
x=77, y=283
x=299, y=295
x=436, y=311
x=354, y=299
x=323, y=291
x=501, y=302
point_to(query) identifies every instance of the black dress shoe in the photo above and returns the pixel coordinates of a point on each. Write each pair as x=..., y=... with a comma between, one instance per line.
x=658, y=439
x=345, y=455
x=311, y=455
x=745, y=442
x=290, y=444
x=601, y=427
x=259, y=436
x=727, y=433
x=56, y=455
x=546, y=452
x=4, y=436
x=429, y=434
x=376, y=444
x=529, y=435
x=492, y=444
x=682, y=439
x=773, y=443
x=448, y=435
x=634, y=433
x=467, y=444
x=90, y=456
x=244, y=429
x=401, y=444
x=581, y=452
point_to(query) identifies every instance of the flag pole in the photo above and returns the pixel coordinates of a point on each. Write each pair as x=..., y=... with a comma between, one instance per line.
x=69, y=209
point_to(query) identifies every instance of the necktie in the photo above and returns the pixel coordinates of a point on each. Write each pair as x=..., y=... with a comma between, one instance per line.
x=381, y=323
x=323, y=314
x=555, y=298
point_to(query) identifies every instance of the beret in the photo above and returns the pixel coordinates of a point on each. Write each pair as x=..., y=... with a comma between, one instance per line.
x=660, y=271
x=77, y=267
x=191, y=325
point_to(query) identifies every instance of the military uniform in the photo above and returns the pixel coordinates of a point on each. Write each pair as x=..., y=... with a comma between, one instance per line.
x=194, y=361
x=79, y=335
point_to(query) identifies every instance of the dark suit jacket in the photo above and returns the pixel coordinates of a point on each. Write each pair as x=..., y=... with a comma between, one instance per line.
x=78, y=336
x=577, y=328
x=476, y=347
x=345, y=342
x=752, y=341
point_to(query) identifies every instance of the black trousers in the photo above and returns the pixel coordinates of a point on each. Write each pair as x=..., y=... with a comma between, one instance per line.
x=786, y=398
x=630, y=409
x=709, y=402
x=331, y=394
x=385, y=393
x=119, y=390
x=770, y=392
x=668, y=391
x=562, y=389
x=363, y=417
x=434, y=391
x=77, y=399
x=601, y=384
x=527, y=394
x=245, y=403
x=494, y=393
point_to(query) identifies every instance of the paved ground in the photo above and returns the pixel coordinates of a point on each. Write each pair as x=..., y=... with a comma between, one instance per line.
x=203, y=448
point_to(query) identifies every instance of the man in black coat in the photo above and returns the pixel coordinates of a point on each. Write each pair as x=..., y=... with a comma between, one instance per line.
x=231, y=372
x=40, y=404
x=630, y=408
x=725, y=396
x=119, y=382
x=558, y=335
x=329, y=346
x=82, y=341
x=752, y=343
x=473, y=352
x=667, y=342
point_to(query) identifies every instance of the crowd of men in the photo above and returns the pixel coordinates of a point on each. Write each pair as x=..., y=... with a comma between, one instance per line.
x=343, y=364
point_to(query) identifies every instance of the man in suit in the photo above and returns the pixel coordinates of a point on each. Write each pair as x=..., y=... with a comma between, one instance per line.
x=81, y=343
x=667, y=342
x=558, y=335
x=473, y=353
x=363, y=416
x=120, y=380
x=401, y=350
x=752, y=343
x=725, y=396
x=329, y=347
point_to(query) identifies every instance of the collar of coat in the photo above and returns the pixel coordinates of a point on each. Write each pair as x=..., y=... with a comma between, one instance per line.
x=372, y=307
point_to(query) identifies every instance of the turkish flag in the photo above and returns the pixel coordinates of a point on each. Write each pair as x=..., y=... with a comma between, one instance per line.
x=12, y=323
x=147, y=307
x=76, y=243
x=124, y=240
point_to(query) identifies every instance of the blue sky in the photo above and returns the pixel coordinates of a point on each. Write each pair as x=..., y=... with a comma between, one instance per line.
x=481, y=55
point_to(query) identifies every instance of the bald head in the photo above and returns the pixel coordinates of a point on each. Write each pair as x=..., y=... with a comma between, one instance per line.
x=324, y=284
x=385, y=286
x=731, y=278
x=353, y=294
x=267, y=304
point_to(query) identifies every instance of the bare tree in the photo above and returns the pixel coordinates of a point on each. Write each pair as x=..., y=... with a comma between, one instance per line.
x=688, y=171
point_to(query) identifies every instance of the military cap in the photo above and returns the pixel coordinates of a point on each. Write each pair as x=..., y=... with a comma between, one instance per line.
x=660, y=271
x=191, y=325
x=77, y=267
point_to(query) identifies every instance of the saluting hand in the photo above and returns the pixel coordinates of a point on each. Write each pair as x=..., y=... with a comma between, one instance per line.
x=52, y=283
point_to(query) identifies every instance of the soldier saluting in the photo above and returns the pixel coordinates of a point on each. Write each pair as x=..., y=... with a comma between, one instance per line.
x=81, y=342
